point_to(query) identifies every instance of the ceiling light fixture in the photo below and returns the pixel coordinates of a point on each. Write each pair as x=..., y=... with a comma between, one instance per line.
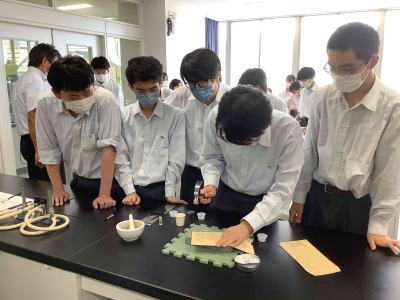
x=77, y=6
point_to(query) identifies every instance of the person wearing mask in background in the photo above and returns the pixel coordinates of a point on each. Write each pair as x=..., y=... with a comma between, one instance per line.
x=255, y=166
x=165, y=91
x=101, y=68
x=294, y=99
x=175, y=84
x=351, y=174
x=306, y=77
x=26, y=94
x=286, y=93
x=201, y=73
x=82, y=123
x=154, y=133
x=257, y=78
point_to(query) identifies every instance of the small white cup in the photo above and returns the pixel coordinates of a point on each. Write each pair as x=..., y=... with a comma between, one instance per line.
x=180, y=219
x=173, y=213
x=262, y=237
x=201, y=215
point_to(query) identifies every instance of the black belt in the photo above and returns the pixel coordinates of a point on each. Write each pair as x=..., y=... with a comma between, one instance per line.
x=330, y=189
x=151, y=185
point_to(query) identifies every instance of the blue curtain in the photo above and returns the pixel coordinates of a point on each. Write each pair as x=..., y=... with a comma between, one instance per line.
x=212, y=35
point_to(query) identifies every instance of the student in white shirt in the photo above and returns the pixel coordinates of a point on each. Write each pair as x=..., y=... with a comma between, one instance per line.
x=293, y=102
x=175, y=84
x=82, y=123
x=286, y=93
x=165, y=91
x=201, y=73
x=306, y=77
x=27, y=91
x=255, y=166
x=101, y=68
x=258, y=79
x=351, y=174
x=154, y=133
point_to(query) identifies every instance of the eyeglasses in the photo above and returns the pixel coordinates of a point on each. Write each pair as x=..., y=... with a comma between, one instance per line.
x=345, y=74
x=192, y=85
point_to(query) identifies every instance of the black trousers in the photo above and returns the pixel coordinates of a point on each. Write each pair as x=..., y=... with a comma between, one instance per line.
x=190, y=176
x=303, y=122
x=293, y=113
x=335, y=212
x=89, y=188
x=152, y=191
x=228, y=199
x=28, y=152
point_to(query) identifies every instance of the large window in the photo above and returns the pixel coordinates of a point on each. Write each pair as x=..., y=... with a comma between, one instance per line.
x=245, y=48
x=315, y=33
x=391, y=57
x=82, y=51
x=277, y=36
x=119, y=10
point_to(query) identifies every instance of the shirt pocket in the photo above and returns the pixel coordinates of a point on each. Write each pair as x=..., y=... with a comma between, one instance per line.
x=160, y=146
x=364, y=146
x=88, y=144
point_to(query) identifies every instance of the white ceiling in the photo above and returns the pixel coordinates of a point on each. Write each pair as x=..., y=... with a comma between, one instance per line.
x=249, y=9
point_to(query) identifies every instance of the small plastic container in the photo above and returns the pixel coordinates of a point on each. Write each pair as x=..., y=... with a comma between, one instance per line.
x=262, y=237
x=201, y=216
x=173, y=213
x=180, y=219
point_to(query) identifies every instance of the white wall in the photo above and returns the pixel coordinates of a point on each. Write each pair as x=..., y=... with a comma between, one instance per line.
x=154, y=29
x=189, y=35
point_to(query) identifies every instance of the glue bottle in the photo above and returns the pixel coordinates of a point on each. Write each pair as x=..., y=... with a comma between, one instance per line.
x=160, y=220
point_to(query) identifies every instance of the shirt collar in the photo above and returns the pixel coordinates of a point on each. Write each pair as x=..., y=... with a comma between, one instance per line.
x=158, y=111
x=38, y=72
x=370, y=100
x=265, y=138
x=268, y=94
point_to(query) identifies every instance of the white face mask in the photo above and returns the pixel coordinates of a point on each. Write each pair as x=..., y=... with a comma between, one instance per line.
x=305, y=84
x=80, y=106
x=349, y=84
x=101, y=77
x=287, y=84
x=165, y=84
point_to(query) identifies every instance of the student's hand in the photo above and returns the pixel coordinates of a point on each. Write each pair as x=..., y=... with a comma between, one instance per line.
x=235, y=235
x=131, y=199
x=175, y=200
x=103, y=201
x=304, y=130
x=382, y=241
x=296, y=212
x=298, y=116
x=209, y=192
x=37, y=161
x=59, y=197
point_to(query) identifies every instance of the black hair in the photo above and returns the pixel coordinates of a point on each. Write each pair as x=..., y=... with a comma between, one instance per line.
x=294, y=86
x=100, y=63
x=174, y=83
x=269, y=90
x=164, y=75
x=70, y=73
x=254, y=77
x=290, y=78
x=356, y=36
x=306, y=73
x=251, y=107
x=41, y=51
x=200, y=65
x=144, y=68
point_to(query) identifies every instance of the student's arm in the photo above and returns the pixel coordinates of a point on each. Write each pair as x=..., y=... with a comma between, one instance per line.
x=120, y=97
x=310, y=164
x=32, y=95
x=385, y=189
x=175, y=99
x=109, y=136
x=274, y=205
x=50, y=152
x=214, y=162
x=176, y=158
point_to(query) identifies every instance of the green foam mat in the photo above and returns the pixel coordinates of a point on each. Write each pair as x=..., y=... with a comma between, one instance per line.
x=179, y=248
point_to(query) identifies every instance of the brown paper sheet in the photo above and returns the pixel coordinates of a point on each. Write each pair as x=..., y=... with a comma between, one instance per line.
x=313, y=261
x=211, y=239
